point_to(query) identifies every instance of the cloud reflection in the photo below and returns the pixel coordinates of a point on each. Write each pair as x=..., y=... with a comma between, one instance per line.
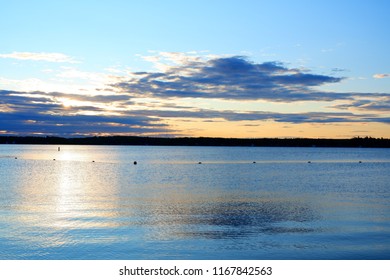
x=230, y=219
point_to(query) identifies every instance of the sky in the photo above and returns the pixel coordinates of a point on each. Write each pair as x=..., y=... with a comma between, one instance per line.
x=242, y=69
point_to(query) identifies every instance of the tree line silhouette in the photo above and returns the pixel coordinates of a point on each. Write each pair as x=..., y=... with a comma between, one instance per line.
x=366, y=142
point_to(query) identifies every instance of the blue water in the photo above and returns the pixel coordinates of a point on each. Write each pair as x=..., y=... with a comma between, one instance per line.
x=92, y=202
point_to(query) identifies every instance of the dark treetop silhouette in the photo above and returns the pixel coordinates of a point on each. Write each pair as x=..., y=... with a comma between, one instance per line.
x=366, y=142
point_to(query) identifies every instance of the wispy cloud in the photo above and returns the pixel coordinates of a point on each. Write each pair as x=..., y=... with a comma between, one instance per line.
x=381, y=76
x=40, y=56
x=380, y=103
x=296, y=118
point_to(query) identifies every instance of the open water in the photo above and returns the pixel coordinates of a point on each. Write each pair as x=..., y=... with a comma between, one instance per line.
x=93, y=202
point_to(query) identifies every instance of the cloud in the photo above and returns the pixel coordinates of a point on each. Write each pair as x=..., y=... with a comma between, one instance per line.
x=339, y=70
x=381, y=76
x=44, y=112
x=41, y=56
x=62, y=79
x=40, y=112
x=379, y=104
x=234, y=78
x=296, y=118
x=149, y=103
x=26, y=124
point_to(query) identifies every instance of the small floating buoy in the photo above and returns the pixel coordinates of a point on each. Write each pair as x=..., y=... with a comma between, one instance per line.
x=309, y=161
x=135, y=162
x=16, y=158
x=199, y=162
x=254, y=162
x=360, y=161
x=93, y=161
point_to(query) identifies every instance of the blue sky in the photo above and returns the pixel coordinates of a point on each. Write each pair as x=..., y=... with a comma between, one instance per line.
x=195, y=68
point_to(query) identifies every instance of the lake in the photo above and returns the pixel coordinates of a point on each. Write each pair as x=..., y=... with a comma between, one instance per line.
x=93, y=202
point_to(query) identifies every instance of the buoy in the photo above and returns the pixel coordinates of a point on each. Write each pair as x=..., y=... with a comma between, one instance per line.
x=360, y=161
x=16, y=158
x=135, y=162
x=254, y=162
x=93, y=161
x=199, y=162
x=309, y=161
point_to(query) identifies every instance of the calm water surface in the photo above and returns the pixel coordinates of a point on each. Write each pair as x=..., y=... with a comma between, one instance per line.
x=92, y=202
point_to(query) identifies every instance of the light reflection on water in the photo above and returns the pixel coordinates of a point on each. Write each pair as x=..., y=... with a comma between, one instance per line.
x=94, y=203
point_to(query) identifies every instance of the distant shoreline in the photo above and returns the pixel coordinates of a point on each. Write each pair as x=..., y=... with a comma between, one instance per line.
x=366, y=142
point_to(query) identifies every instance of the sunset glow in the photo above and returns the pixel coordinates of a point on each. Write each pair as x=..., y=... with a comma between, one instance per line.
x=178, y=68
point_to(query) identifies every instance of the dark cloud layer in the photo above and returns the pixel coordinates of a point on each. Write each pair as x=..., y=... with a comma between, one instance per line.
x=39, y=112
x=23, y=113
x=232, y=78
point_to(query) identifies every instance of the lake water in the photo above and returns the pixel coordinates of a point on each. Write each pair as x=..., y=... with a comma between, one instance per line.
x=92, y=202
